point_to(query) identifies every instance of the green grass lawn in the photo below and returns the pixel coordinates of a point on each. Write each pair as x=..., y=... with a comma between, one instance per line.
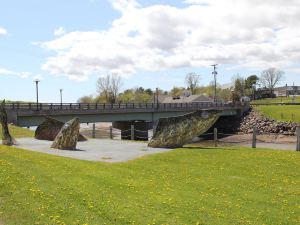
x=277, y=100
x=184, y=186
x=280, y=112
x=18, y=132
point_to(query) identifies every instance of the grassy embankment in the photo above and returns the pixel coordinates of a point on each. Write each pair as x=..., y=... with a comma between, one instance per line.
x=279, y=112
x=277, y=100
x=18, y=132
x=185, y=186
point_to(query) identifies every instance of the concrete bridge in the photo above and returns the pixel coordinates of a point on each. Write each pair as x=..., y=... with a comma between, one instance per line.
x=30, y=114
x=143, y=116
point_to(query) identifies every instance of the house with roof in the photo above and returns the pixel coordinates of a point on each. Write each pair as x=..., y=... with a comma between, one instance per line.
x=286, y=91
x=186, y=98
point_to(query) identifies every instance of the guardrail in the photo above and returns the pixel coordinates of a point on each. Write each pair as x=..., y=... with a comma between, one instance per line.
x=106, y=106
x=276, y=103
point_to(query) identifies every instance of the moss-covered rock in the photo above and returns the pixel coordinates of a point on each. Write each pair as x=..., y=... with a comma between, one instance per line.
x=49, y=129
x=7, y=139
x=68, y=136
x=174, y=132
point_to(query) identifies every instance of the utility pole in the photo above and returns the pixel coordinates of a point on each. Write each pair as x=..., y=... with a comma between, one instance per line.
x=215, y=80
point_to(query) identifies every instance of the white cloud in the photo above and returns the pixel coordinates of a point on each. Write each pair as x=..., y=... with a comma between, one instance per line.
x=4, y=71
x=59, y=31
x=24, y=74
x=294, y=70
x=3, y=31
x=38, y=77
x=125, y=5
x=196, y=2
x=251, y=34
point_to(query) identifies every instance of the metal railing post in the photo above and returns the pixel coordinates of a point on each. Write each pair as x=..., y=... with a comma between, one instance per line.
x=132, y=132
x=216, y=137
x=298, y=139
x=94, y=131
x=254, y=137
x=111, y=132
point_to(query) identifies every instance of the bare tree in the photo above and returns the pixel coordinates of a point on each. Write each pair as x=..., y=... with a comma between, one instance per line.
x=109, y=87
x=271, y=77
x=103, y=86
x=192, y=81
x=116, y=83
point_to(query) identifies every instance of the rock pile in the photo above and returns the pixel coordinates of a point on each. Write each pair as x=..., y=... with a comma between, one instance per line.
x=265, y=125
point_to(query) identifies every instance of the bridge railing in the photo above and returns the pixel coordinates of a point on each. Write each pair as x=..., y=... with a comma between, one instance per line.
x=107, y=106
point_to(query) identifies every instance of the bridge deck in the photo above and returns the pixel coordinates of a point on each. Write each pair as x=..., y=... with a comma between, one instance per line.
x=31, y=114
x=121, y=106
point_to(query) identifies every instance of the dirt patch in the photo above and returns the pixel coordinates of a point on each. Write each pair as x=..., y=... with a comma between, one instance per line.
x=268, y=138
x=272, y=141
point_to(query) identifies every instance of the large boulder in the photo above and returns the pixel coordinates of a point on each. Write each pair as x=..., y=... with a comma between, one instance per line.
x=67, y=137
x=7, y=139
x=174, y=132
x=49, y=129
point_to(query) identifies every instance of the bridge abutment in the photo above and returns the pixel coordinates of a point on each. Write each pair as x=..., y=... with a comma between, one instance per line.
x=12, y=117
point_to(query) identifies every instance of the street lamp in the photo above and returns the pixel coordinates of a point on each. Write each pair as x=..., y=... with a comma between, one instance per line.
x=37, y=93
x=61, y=101
x=215, y=80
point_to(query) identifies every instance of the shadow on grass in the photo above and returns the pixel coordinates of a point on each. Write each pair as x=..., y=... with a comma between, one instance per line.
x=208, y=148
x=70, y=150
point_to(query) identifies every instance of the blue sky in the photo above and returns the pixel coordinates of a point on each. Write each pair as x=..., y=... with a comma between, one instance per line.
x=149, y=43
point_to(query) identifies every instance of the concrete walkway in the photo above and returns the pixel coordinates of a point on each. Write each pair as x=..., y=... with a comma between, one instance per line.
x=104, y=150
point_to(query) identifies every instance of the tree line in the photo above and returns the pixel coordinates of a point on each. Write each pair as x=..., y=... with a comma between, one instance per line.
x=108, y=88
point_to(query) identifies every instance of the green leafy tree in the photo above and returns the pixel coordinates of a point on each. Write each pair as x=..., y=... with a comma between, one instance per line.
x=86, y=99
x=177, y=91
x=225, y=94
x=251, y=81
x=239, y=85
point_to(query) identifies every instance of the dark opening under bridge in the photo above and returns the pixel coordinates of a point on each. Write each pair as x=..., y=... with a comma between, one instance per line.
x=31, y=114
